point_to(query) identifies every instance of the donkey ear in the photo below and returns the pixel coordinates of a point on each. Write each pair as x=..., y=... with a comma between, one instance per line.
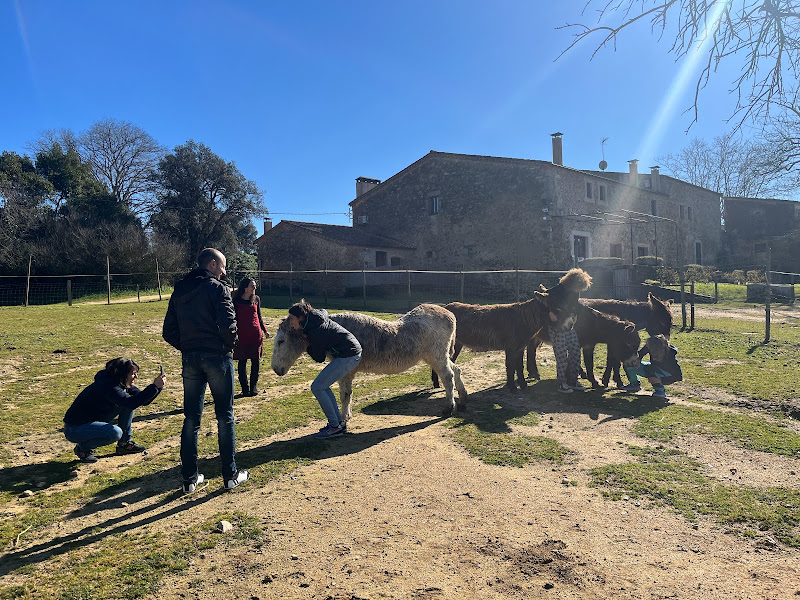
x=540, y=295
x=542, y=288
x=630, y=327
x=669, y=302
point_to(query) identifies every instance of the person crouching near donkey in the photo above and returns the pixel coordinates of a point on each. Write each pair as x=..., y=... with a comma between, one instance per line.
x=326, y=337
x=111, y=396
x=663, y=368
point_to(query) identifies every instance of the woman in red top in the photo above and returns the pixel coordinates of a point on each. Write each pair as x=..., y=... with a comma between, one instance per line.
x=251, y=333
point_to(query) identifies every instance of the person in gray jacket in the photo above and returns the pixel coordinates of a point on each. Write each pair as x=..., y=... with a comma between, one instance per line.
x=201, y=323
x=326, y=337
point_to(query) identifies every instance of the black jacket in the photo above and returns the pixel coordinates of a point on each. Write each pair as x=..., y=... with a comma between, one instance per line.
x=326, y=336
x=200, y=316
x=670, y=364
x=102, y=400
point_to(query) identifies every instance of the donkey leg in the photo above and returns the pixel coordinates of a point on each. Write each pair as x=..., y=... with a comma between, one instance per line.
x=434, y=376
x=346, y=393
x=533, y=368
x=447, y=374
x=588, y=360
x=518, y=360
x=510, y=370
x=461, y=403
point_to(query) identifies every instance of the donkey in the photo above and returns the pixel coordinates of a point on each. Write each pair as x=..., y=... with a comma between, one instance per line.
x=510, y=327
x=653, y=315
x=592, y=328
x=426, y=333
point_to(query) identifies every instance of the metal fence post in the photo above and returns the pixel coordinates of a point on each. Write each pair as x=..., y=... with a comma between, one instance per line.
x=691, y=305
x=768, y=294
x=461, y=296
x=138, y=297
x=69, y=292
x=291, y=301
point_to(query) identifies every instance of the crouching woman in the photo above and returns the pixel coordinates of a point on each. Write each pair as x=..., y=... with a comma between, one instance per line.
x=324, y=337
x=112, y=395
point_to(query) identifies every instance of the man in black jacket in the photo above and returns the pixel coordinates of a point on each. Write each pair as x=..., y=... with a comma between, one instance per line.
x=201, y=323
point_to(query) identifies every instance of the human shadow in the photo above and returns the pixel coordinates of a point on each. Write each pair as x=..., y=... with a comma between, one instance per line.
x=157, y=415
x=162, y=486
x=36, y=476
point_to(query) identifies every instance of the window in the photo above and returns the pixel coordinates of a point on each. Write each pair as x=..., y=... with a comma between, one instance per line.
x=602, y=196
x=588, y=190
x=397, y=261
x=642, y=250
x=760, y=247
x=580, y=246
x=380, y=258
x=435, y=205
x=689, y=215
x=682, y=217
x=362, y=219
x=698, y=253
x=616, y=250
x=654, y=207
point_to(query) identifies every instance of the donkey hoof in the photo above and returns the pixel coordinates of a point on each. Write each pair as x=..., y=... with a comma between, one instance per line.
x=448, y=412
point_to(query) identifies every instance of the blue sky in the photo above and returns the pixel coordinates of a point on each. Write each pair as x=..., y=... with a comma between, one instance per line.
x=305, y=97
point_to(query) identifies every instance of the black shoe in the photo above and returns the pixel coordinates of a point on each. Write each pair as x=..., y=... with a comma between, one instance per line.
x=253, y=392
x=130, y=447
x=85, y=457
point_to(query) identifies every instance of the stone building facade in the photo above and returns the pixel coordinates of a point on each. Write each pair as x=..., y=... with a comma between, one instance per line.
x=753, y=224
x=303, y=246
x=482, y=212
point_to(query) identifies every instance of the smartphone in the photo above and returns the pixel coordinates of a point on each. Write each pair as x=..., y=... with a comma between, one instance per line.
x=161, y=368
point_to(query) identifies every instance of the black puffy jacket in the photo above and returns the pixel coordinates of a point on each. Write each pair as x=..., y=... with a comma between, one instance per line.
x=102, y=400
x=328, y=337
x=200, y=316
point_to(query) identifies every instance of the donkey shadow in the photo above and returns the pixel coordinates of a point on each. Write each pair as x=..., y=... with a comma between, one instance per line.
x=491, y=409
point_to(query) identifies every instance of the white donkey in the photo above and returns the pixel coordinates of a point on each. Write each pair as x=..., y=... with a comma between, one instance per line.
x=426, y=333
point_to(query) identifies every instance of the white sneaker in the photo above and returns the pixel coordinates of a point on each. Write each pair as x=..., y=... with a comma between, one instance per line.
x=189, y=487
x=238, y=478
x=564, y=389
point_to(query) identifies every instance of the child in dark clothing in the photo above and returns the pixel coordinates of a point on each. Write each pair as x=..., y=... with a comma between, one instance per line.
x=662, y=369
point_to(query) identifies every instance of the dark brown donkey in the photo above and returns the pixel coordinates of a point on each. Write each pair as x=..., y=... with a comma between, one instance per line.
x=653, y=315
x=510, y=327
x=592, y=328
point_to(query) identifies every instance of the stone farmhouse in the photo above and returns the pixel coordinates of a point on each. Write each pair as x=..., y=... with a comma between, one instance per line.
x=753, y=224
x=456, y=211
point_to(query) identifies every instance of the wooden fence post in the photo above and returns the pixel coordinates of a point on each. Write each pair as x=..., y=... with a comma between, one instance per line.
x=691, y=305
x=28, y=284
x=291, y=301
x=108, y=278
x=408, y=277
x=364, y=285
x=69, y=292
x=768, y=295
x=158, y=280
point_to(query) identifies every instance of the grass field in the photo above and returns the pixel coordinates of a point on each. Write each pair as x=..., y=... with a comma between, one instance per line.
x=50, y=353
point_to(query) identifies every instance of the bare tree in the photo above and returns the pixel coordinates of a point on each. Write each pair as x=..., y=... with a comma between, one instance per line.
x=761, y=37
x=730, y=165
x=123, y=157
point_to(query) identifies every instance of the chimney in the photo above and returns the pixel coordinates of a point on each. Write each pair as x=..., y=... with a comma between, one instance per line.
x=633, y=166
x=365, y=184
x=558, y=155
x=655, y=179
x=267, y=225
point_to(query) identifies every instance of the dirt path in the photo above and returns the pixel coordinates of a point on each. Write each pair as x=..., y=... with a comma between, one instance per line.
x=397, y=510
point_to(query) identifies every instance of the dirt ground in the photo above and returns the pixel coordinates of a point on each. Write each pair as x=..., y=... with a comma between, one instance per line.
x=396, y=509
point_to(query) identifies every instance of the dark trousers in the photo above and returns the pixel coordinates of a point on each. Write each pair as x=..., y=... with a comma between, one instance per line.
x=256, y=365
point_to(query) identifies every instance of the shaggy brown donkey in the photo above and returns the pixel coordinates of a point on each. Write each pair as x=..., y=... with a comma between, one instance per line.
x=653, y=315
x=510, y=327
x=592, y=328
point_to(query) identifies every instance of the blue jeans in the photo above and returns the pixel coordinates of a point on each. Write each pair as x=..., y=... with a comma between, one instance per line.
x=95, y=434
x=321, y=387
x=215, y=370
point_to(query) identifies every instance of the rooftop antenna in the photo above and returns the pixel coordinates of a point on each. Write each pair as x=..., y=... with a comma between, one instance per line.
x=603, y=164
